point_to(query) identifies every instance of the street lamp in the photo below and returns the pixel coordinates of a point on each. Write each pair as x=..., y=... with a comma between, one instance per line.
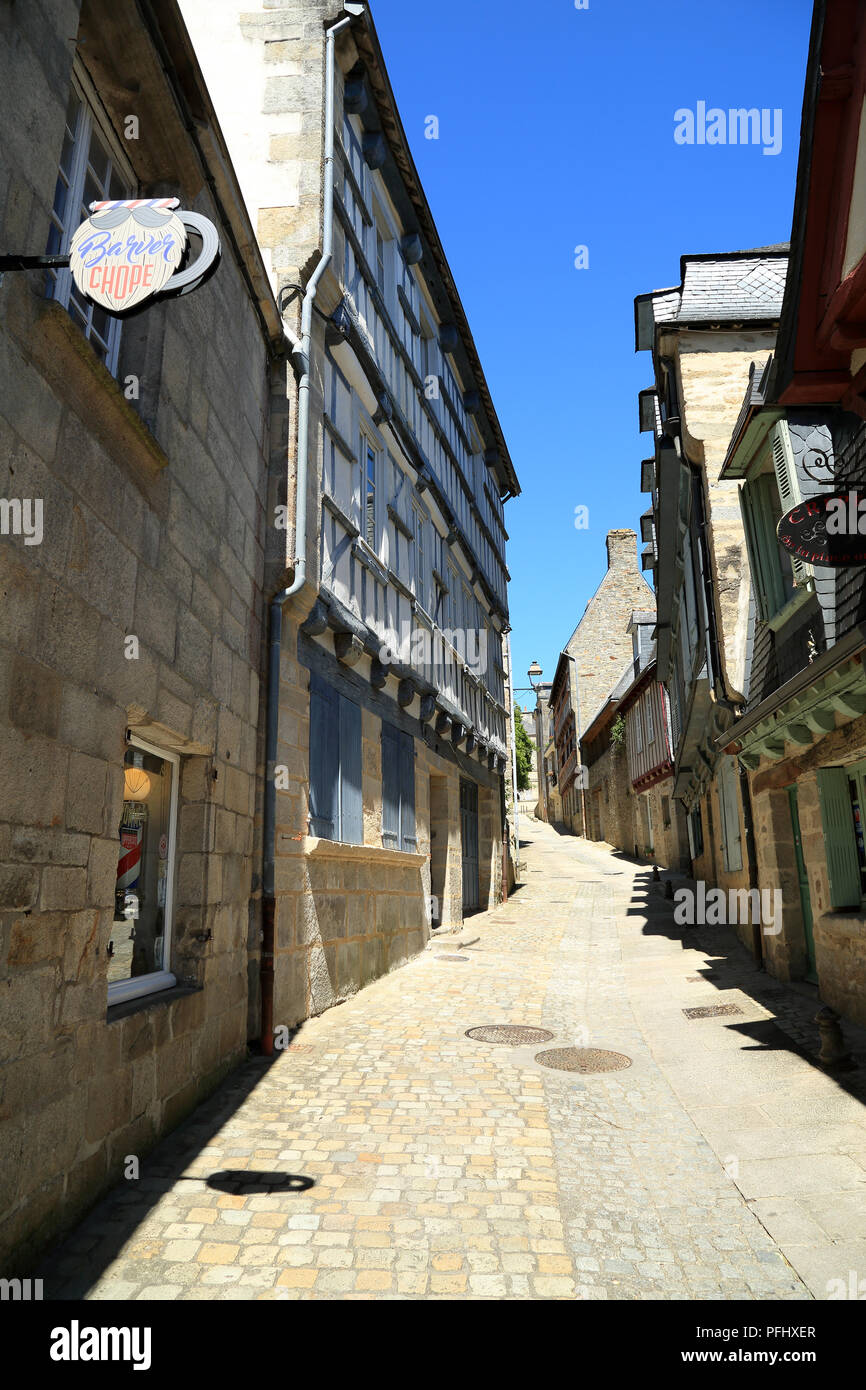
x=535, y=673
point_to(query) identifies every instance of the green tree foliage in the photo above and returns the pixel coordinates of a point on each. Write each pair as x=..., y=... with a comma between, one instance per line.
x=525, y=751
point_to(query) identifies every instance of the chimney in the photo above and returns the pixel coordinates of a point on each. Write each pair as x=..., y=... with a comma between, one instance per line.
x=622, y=550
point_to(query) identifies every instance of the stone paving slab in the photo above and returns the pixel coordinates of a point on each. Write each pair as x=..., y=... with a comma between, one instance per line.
x=429, y=1165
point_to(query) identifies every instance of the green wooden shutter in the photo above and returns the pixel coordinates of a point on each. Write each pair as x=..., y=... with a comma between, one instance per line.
x=730, y=816
x=757, y=561
x=771, y=560
x=843, y=865
x=789, y=487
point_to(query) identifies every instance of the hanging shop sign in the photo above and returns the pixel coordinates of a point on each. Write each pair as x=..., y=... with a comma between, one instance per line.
x=129, y=250
x=827, y=530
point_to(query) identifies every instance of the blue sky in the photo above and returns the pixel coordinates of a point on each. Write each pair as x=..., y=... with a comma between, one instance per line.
x=556, y=130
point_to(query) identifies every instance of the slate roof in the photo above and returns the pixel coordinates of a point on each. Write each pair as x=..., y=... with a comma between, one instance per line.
x=726, y=287
x=751, y=288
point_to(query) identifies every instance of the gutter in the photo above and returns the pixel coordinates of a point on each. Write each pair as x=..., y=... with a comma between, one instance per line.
x=301, y=360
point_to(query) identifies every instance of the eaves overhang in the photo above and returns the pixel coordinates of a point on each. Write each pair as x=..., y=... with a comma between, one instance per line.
x=750, y=439
x=409, y=191
x=804, y=707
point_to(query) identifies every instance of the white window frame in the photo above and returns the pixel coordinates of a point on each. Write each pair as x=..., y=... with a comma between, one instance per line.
x=138, y=986
x=60, y=283
x=368, y=442
x=421, y=560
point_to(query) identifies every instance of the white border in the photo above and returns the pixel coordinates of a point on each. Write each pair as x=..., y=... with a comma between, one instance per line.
x=119, y=991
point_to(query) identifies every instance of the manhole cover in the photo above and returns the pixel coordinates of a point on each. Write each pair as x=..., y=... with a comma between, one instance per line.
x=582, y=1059
x=712, y=1011
x=444, y=957
x=513, y=1035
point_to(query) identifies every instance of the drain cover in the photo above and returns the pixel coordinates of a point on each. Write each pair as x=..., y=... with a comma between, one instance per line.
x=582, y=1059
x=712, y=1011
x=514, y=1035
x=444, y=957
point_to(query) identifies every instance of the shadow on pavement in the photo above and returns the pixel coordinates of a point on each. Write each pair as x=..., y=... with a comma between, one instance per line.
x=71, y=1266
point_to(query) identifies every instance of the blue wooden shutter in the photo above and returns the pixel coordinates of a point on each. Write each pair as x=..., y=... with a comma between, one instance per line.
x=843, y=865
x=407, y=794
x=324, y=759
x=351, y=804
x=390, y=786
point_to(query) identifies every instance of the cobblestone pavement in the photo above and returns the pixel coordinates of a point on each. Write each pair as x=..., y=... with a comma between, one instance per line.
x=430, y=1165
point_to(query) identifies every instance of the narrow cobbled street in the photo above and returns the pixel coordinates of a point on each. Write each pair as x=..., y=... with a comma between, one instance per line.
x=721, y=1163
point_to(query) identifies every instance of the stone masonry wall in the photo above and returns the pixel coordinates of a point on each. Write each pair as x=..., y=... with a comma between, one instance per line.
x=153, y=527
x=601, y=644
x=713, y=373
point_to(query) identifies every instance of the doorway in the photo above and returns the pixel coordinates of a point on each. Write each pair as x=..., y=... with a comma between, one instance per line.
x=469, y=843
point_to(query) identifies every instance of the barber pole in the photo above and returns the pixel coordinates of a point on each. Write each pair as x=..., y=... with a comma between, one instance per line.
x=129, y=862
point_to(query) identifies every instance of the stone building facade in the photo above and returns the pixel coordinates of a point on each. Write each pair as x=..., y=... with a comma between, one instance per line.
x=798, y=444
x=703, y=335
x=130, y=627
x=253, y=710
x=388, y=590
x=593, y=658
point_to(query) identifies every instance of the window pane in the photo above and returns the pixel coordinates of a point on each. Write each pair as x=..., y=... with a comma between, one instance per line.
x=99, y=160
x=66, y=153
x=54, y=240
x=138, y=940
x=92, y=192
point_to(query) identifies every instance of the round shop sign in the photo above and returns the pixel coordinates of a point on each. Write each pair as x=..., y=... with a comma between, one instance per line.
x=128, y=251
x=826, y=530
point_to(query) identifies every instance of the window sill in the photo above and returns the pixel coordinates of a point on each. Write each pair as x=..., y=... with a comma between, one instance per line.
x=124, y=1008
x=801, y=597
x=70, y=365
x=336, y=849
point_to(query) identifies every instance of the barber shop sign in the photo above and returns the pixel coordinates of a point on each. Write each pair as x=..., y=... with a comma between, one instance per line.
x=129, y=250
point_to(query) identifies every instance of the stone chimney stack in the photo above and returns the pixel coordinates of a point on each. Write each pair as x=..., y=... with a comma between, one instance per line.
x=622, y=550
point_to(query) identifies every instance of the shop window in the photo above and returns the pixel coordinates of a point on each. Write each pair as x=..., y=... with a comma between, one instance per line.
x=140, y=945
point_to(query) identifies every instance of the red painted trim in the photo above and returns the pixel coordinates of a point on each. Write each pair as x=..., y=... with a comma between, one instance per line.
x=831, y=318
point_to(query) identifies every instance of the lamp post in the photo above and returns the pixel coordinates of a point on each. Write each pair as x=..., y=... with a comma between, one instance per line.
x=535, y=673
x=579, y=750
